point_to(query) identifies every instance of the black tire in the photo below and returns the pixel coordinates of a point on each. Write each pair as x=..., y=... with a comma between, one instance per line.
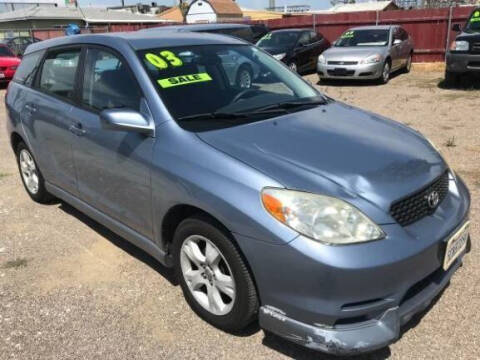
x=41, y=196
x=384, y=78
x=408, y=65
x=451, y=79
x=242, y=71
x=245, y=306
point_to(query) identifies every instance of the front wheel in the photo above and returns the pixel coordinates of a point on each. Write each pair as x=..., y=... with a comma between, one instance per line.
x=385, y=77
x=451, y=79
x=214, y=278
x=244, y=78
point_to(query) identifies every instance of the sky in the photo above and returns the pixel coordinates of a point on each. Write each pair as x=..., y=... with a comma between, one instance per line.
x=253, y=4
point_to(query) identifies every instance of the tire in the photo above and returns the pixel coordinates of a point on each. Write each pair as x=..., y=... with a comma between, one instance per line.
x=408, y=65
x=241, y=308
x=385, y=76
x=293, y=66
x=31, y=176
x=244, y=78
x=451, y=79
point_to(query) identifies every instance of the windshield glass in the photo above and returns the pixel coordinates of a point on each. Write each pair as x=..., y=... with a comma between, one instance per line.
x=4, y=51
x=195, y=81
x=278, y=39
x=473, y=24
x=363, y=38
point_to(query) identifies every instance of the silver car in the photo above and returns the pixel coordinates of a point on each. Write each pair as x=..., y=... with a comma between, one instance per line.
x=367, y=52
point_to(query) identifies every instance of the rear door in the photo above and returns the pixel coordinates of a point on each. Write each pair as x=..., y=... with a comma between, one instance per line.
x=113, y=166
x=396, y=52
x=49, y=110
x=303, y=51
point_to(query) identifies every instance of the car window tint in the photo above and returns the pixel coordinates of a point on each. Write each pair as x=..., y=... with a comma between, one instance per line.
x=313, y=37
x=58, y=72
x=108, y=82
x=4, y=51
x=28, y=67
x=304, y=38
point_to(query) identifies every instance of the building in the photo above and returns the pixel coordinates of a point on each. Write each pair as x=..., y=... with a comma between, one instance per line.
x=173, y=14
x=150, y=9
x=45, y=18
x=357, y=7
x=261, y=15
x=12, y=5
x=211, y=11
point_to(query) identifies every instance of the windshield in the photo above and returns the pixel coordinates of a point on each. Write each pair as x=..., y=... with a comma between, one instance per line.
x=215, y=83
x=278, y=39
x=473, y=24
x=4, y=51
x=363, y=38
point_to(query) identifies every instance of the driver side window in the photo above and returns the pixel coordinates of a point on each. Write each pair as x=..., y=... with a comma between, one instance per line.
x=304, y=38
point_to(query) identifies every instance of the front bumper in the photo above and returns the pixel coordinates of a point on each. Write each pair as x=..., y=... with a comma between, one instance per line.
x=350, y=72
x=350, y=299
x=463, y=62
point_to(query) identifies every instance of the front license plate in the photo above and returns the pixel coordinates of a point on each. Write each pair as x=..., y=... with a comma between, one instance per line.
x=455, y=245
x=340, y=71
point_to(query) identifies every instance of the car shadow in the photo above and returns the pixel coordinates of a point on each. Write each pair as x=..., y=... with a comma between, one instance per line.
x=120, y=242
x=471, y=82
x=357, y=83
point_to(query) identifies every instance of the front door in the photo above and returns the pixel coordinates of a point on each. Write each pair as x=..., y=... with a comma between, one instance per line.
x=113, y=167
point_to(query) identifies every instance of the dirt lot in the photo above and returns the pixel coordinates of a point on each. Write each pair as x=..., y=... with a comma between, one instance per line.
x=70, y=289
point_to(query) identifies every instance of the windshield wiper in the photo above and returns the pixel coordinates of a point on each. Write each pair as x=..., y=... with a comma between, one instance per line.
x=213, y=116
x=289, y=105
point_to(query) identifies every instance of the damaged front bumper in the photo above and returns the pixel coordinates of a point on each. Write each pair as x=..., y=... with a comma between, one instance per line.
x=360, y=337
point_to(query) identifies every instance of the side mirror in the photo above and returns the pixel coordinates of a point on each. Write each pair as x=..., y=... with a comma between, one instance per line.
x=457, y=28
x=397, y=42
x=126, y=120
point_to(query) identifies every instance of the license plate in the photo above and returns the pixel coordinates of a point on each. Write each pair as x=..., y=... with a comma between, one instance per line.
x=455, y=245
x=2, y=75
x=340, y=71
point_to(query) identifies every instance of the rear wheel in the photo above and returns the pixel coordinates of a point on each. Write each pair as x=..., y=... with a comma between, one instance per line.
x=214, y=278
x=32, y=178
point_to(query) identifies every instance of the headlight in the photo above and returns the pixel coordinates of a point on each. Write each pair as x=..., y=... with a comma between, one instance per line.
x=372, y=59
x=279, y=56
x=323, y=218
x=322, y=60
x=460, y=46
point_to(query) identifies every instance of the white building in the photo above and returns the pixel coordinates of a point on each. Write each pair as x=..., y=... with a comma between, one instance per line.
x=211, y=11
x=12, y=5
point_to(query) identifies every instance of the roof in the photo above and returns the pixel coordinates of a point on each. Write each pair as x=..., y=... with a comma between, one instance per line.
x=139, y=40
x=360, y=6
x=90, y=15
x=173, y=14
x=224, y=7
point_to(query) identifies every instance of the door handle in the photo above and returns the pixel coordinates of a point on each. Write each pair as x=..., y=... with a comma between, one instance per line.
x=77, y=129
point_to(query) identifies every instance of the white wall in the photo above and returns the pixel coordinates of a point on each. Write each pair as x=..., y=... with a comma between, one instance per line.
x=201, y=12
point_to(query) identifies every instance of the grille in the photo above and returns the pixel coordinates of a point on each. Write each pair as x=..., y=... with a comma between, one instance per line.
x=342, y=62
x=476, y=47
x=341, y=73
x=415, y=207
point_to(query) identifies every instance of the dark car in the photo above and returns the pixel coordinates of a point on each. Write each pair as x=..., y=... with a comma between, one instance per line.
x=464, y=54
x=250, y=33
x=18, y=44
x=298, y=48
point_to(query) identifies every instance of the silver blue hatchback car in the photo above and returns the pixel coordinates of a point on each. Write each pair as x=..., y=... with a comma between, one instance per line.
x=329, y=225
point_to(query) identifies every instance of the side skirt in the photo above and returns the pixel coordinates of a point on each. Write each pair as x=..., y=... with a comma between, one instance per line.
x=117, y=227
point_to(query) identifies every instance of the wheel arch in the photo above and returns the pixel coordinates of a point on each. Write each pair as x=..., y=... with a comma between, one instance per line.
x=15, y=139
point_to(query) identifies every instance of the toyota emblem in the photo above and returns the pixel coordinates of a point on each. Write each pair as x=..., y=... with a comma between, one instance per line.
x=433, y=199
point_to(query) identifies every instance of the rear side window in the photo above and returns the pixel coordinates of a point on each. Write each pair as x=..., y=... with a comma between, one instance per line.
x=28, y=67
x=108, y=82
x=58, y=73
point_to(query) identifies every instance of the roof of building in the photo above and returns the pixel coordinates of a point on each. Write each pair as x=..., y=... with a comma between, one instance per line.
x=174, y=14
x=257, y=14
x=90, y=15
x=360, y=6
x=224, y=7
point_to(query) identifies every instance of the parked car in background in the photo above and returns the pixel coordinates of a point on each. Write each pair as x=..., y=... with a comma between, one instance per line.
x=367, y=52
x=8, y=64
x=330, y=226
x=250, y=33
x=298, y=48
x=464, y=54
x=18, y=44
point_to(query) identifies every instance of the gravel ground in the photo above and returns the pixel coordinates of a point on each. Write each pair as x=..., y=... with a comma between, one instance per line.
x=70, y=289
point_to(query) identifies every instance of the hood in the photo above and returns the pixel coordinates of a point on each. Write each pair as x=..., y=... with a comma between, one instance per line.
x=469, y=36
x=353, y=53
x=9, y=60
x=335, y=150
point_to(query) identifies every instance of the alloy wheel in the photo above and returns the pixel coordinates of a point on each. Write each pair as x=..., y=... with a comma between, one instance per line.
x=245, y=79
x=386, y=72
x=29, y=171
x=207, y=275
x=293, y=66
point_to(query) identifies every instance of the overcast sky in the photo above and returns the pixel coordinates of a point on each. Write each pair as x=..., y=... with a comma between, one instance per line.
x=254, y=4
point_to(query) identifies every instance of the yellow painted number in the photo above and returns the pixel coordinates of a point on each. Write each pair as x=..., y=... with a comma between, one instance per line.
x=156, y=61
x=171, y=58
